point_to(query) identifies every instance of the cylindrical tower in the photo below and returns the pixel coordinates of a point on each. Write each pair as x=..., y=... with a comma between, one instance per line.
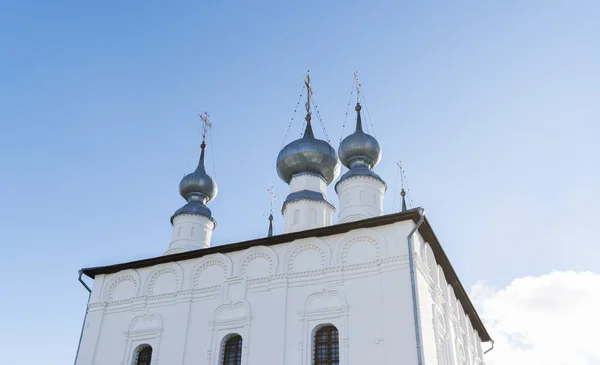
x=360, y=190
x=193, y=223
x=308, y=165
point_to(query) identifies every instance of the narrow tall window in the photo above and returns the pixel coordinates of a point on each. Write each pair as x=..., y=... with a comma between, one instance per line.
x=327, y=346
x=232, y=351
x=144, y=356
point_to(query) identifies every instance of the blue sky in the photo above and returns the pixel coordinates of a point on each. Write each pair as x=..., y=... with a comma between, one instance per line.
x=492, y=107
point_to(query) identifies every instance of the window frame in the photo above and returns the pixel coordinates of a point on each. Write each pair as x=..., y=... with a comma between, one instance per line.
x=330, y=360
x=238, y=350
x=138, y=350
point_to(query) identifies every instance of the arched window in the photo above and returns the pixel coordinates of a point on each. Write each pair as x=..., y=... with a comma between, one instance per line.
x=327, y=346
x=144, y=355
x=232, y=351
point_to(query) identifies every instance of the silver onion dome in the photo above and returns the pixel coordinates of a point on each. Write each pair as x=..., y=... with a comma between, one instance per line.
x=359, y=149
x=198, y=182
x=197, y=188
x=308, y=155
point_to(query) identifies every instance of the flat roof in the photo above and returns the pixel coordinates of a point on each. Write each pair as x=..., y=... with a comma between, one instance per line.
x=425, y=230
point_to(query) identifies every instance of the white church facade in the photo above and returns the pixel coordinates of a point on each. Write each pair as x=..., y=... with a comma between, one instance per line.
x=374, y=288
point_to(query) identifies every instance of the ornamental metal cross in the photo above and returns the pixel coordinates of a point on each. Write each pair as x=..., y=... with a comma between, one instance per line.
x=357, y=87
x=401, y=172
x=308, y=95
x=206, y=124
x=272, y=198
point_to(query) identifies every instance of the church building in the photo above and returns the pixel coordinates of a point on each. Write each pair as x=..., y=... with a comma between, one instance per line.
x=366, y=288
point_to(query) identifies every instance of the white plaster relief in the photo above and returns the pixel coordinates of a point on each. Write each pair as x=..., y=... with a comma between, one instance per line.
x=363, y=245
x=164, y=280
x=310, y=255
x=325, y=307
x=122, y=286
x=230, y=318
x=258, y=262
x=143, y=330
x=216, y=268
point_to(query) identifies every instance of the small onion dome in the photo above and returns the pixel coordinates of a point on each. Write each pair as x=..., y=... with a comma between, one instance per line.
x=359, y=149
x=198, y=182
x=308, y=155
x=197, y=188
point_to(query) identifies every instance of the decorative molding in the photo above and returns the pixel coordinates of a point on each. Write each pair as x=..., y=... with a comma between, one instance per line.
x=216, y=259
x=348, y=245
x=239, y=310
x=298, y=278
x=361, y=235
x=143, y=330
x=149, y=322
x=118, y=278
x=315, y=244
x=230, y=318
x=170, y=268
x=264, y=252
x=327, y=306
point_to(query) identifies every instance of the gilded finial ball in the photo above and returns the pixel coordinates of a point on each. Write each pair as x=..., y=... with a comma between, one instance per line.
x=403, y=193
x=358, y=107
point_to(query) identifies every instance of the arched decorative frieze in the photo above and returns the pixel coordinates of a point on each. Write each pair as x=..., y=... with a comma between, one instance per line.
x=307, y=255
x=361, y=246
x=211, y=270
x=167, y=278
x=258, y=262
x=123, y=285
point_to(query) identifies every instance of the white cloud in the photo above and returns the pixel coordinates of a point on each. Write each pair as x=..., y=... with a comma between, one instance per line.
x=551, y=319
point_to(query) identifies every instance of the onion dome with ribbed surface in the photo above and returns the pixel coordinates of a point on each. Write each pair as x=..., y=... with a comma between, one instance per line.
x=308, y=155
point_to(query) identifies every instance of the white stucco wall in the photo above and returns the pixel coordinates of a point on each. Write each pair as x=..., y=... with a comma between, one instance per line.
x=448, y=335
x=274, y=297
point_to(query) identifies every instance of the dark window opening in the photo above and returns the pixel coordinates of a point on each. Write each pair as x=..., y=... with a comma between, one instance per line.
x=232, y=352
x=327, y=346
